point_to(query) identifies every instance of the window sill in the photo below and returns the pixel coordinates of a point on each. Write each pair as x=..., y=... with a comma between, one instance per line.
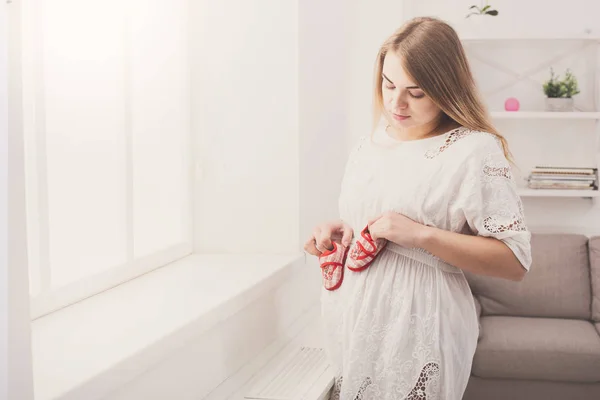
x=103, y=342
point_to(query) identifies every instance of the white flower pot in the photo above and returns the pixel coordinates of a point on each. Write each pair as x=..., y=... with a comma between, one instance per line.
x=559, y=104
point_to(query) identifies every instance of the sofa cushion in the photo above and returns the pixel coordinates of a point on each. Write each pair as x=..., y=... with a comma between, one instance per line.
x=520, y=389
x=538, y=348
x=558, y=284
x=594, y=246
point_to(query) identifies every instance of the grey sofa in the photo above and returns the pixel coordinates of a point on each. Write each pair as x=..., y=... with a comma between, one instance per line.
x=540, y=338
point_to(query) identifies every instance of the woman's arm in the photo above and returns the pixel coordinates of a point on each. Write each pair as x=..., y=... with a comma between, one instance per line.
x=476, y=254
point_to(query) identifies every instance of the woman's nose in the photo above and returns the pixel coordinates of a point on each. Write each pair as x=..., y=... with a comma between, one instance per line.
x=400, y=102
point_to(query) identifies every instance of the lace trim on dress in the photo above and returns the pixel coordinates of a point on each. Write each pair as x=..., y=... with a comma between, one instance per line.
x=499, y=172
x=361, y=390
x=496, y=172
x=491, y=224
x=452, y=138
x=337, y=388
x=428, y=384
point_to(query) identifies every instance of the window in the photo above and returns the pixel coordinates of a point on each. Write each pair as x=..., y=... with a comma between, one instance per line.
x=108, y=145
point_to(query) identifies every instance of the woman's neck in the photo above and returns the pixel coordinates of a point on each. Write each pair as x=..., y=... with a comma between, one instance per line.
x=430, y=129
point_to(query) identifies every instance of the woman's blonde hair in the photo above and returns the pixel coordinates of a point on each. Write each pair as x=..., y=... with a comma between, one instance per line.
x=433, y=56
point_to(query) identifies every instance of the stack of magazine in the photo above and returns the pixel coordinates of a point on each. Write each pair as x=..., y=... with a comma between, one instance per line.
x=563, y=178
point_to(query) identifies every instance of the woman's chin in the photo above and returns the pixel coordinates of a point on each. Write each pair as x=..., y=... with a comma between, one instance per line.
x=407, y=123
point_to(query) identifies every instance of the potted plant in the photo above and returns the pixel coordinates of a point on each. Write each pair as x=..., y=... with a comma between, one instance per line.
x=480, y=21
x=483, y=10
x=559, y=93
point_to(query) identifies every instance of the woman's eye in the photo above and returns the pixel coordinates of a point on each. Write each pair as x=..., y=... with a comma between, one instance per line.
x=390, y=87
x=418, y=95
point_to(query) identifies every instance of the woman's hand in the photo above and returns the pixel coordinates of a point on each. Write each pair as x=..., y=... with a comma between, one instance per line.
x=397, y=228
x=324, y=234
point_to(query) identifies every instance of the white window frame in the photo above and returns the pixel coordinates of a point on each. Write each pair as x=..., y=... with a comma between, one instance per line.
x=50, y=300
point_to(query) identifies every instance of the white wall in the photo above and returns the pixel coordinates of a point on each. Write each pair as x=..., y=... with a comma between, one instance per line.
x=245, y=120
x=370, y=24
x=338, y=45
x=293, y=78
x=323, y=90
x=516, y=18
x=15, y=304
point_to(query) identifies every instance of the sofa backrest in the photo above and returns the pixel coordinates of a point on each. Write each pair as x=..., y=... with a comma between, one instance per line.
x=594, y=246
x=558, y=284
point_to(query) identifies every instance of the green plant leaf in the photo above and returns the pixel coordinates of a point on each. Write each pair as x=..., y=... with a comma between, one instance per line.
x=472, y=7
x=570, y=84
x=553, y=87
x=484, y=9
x=492, y=12
x=473, y=13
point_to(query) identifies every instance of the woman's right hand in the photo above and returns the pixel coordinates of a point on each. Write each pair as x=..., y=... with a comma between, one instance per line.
x=324, y=234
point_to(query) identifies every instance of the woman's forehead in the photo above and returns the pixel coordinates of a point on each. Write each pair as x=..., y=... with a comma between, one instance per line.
x=394, y=70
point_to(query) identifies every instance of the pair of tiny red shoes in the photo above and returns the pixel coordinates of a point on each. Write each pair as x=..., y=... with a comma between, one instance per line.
x=356, y=258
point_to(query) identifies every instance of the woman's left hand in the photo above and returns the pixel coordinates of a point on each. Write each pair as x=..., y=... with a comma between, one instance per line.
x=396, y=228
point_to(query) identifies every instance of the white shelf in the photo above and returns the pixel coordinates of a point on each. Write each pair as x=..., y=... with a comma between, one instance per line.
x=577, y=41
x=545, y=115
x=525, y=192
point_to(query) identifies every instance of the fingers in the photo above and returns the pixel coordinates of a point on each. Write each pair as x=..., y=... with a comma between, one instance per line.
x=372, y=229
x=310, y=247
x=323, y=239
x=348, y=233
x=323, y=235
x=373, y=220
x=373, y=234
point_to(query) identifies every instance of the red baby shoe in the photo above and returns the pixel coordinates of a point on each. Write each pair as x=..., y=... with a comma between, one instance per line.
x=332, y=265
x=364, y=251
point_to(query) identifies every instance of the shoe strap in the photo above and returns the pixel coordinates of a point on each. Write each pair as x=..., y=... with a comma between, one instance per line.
x=367, y=252
x=334, y=263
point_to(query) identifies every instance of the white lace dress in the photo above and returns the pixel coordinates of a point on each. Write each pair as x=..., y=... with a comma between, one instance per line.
x=406, y=327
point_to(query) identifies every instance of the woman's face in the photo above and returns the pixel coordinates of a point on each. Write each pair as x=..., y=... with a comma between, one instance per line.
x=406, y=105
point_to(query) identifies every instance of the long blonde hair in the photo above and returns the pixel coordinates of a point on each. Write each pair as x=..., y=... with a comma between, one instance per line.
x=434, y=57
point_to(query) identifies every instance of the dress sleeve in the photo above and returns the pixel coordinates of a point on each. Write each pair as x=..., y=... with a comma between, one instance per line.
x=490, y=202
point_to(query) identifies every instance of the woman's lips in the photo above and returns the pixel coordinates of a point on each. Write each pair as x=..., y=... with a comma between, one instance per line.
x=399, y=117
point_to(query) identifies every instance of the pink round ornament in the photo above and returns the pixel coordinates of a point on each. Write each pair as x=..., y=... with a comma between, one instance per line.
x=511, y=104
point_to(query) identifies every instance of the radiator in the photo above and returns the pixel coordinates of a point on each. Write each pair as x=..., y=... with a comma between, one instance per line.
x=303, y=374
